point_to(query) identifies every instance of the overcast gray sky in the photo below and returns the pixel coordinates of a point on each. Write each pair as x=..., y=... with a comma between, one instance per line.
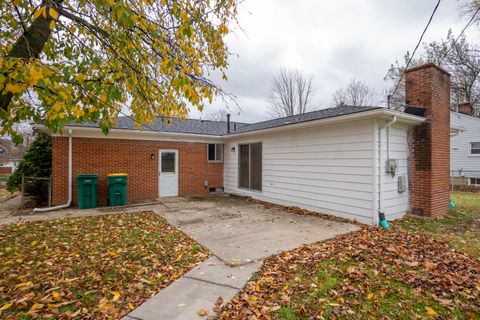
x=332, y=40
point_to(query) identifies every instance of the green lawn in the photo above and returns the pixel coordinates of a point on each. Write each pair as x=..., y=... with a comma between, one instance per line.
x=91, y=267
x=406, y=272
x=460, y=228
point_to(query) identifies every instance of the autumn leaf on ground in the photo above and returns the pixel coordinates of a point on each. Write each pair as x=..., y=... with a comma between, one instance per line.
x=64, y=268
x=202, y=312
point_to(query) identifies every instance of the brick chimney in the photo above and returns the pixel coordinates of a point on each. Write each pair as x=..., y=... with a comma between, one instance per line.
x=465, y=108
x=428, y=87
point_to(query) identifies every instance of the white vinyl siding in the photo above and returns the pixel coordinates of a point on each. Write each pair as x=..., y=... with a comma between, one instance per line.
x=395, y=204
x=462, y=162
x=328, y=169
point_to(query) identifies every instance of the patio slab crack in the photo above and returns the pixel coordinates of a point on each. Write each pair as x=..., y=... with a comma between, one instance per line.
x=197, y=289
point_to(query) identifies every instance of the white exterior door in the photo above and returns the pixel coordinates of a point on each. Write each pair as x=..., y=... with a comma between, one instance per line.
x=168, y=173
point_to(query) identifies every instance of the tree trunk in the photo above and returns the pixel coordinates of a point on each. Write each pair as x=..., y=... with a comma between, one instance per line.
x=30, y=44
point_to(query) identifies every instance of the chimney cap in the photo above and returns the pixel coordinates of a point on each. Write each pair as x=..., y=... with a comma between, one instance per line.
x=465, y=108
x=427, y=65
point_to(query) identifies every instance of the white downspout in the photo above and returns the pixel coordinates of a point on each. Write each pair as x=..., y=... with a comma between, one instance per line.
x=69, y=202
x=380, y=159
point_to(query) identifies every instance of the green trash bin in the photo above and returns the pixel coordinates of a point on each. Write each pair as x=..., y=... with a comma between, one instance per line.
x=87, y=190
x=117, y=189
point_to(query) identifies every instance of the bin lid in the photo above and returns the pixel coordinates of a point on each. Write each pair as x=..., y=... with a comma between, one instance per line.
x=87, y=175
x=117, y=175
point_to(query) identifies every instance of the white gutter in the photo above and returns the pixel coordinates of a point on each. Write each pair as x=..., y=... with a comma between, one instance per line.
x=119, y=133
x=381, y=162
x=69, y=202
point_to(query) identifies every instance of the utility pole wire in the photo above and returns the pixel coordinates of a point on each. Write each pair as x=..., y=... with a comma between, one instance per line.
x=415, y=50
x=458, y=37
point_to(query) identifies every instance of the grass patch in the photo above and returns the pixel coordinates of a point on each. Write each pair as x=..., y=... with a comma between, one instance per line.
x=460, y=228
x=368, y=274
x=90, y=267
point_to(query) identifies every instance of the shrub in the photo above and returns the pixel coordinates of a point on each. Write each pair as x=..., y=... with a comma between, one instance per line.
x=37, y=162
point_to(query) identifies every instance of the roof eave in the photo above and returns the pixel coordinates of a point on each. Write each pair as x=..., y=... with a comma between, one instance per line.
x=158, y=135
x=380, y=113
x=95, y=132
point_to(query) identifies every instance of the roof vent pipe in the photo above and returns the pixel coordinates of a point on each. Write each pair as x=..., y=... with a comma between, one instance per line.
x=228, y=122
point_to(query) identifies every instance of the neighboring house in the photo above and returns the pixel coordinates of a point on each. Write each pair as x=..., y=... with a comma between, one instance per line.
x=350, y=162
x=10, y=156
x=465, y=153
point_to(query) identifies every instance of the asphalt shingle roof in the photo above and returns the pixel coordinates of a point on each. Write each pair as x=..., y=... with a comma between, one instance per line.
x=219, y=128
x=305, y=117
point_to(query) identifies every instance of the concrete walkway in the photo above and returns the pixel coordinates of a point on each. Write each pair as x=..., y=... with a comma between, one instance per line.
x=240, y=235
x=196, y=290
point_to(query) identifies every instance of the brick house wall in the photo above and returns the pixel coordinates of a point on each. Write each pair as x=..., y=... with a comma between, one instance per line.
x=5, y=170
x=103, y=156
x=428, y=87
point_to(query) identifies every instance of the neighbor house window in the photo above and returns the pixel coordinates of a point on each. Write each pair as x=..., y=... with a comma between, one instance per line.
x=215, y=152
x=475, y=148
x=250, y=166
x=474, y=181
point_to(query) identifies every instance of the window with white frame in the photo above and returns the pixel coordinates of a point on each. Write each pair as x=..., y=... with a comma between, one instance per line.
x=475, y=148
x=474, y=181
x=215, y=152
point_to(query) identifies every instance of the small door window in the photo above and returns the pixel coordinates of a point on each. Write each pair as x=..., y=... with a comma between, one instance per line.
x=168, y=162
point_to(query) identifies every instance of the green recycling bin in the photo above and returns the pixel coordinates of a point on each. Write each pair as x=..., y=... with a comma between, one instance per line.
x=87, y=190
x=117, y=189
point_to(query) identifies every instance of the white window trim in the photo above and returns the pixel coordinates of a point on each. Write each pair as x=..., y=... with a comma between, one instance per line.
x=223, y=152
x=470, y=154
x=473, y=184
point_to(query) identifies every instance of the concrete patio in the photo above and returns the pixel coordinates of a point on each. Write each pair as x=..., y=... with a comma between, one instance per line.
x=238, y=232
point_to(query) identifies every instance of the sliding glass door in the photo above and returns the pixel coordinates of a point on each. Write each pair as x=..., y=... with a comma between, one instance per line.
x=250, y=166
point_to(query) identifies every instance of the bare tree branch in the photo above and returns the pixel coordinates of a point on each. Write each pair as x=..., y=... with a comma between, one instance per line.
x=356, y=93
x=291, y=93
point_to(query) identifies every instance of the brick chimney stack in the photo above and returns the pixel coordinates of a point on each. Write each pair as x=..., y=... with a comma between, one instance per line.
x=465, y=108
x=428, y=86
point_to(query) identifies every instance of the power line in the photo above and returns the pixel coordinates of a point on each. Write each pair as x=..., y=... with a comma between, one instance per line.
x=458, y=37
x=416, y=47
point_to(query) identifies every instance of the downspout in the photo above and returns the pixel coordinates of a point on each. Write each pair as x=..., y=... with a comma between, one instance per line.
x=382, y=221
x=69, y=202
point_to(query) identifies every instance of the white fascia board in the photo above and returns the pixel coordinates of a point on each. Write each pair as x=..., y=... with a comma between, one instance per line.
x=383, y=113
x=92, y=132
x=125, y=134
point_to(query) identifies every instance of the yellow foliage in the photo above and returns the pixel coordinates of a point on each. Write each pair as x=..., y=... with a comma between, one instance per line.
x=39, y=12
x=53, y=13
x=14, y=88
x=162, y=65
x=35, y=75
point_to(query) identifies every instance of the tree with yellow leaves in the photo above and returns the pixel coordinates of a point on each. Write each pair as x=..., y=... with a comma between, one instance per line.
x=85, y=60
